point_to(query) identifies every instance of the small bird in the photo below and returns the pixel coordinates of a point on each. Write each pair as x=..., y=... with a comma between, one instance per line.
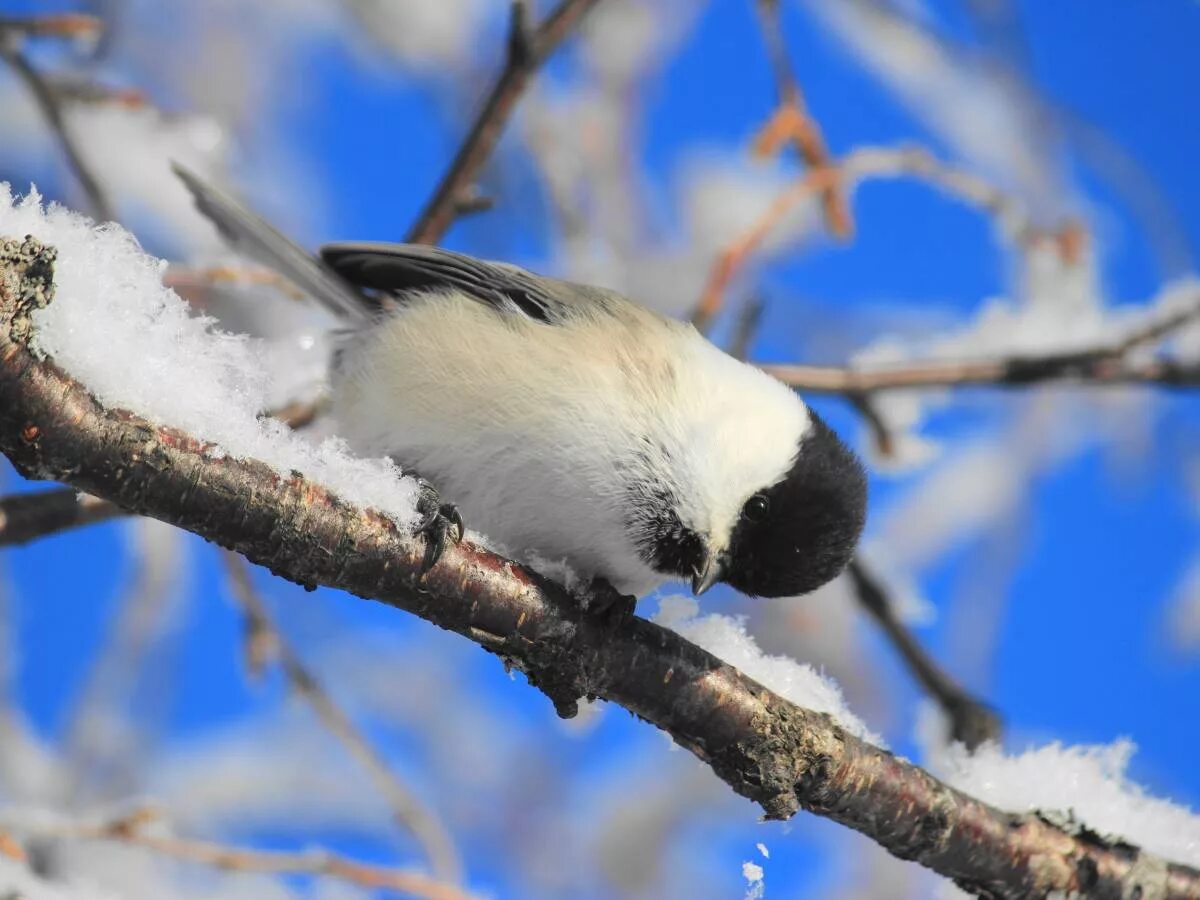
x=570, y=422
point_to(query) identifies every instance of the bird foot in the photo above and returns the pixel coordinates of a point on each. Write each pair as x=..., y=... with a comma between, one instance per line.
x=440, y=522
x=608, y=605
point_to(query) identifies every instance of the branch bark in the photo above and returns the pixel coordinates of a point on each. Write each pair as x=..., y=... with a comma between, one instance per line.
x=526, y=52
x=779, y=755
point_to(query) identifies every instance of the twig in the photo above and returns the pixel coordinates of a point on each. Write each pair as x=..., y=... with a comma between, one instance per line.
x=526, y=53
x=27, y=517
x=792, y=120
x=69, y=25
x=748, y=322
x=75, y=89
x=1014, y=372
x=264, y=638
x=857, y=166
x=48, y=103
x=186, y=278
x=779, y=755
x=1104, y=364
x=881, y=435
x=971, y=721
x=128, y=830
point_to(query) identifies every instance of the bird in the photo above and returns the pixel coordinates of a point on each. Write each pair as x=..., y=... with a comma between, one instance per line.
x=568, y=422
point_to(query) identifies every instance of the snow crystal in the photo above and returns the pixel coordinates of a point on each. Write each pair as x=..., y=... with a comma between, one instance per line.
x=753, y=874
x=726, y=637
x=1090, y=782
x=136, y=346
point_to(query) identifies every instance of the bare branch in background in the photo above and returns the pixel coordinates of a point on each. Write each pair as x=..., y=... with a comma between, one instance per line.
x=1108, y=364
x=971, y=721
x=64, y=25
x=1016, y=372
x=526, y=53
x=27, y=517
x=130, y=830
x=265, y=640
x=793, y=122
x=748, y=323
x=75, y=89
x=188, y=281
x=11, y=33
x=865, y=164
x=781, y=756
x=881, y=434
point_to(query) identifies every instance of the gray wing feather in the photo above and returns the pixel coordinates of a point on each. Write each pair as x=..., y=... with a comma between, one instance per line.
x=252, y=235
x=414, y=268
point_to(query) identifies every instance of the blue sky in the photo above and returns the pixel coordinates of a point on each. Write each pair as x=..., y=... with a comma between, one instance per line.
x=1081, y=651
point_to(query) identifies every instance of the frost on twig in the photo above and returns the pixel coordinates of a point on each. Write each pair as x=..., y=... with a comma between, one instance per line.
x=780, y=755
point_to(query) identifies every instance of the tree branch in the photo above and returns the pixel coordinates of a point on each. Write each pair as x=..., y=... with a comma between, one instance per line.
x=11, y=32
x=455, y=195
x=130, y=830
x=408, y=811
x=1104, y=364
x=792, y=121
x=781, y=756
x=27, y=517
x=69, y=25
x=1013, y=372
x=864, y=164
x=971, y=721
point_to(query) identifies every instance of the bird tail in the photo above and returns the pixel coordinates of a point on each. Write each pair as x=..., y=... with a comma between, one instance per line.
x=253, y=236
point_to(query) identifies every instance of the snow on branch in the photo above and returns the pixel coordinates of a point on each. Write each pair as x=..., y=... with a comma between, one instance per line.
x=769, y=749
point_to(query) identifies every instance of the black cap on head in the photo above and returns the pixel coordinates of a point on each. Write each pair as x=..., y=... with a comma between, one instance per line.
x=796, y=535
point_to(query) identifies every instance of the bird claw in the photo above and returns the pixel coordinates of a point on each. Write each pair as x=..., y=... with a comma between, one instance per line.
x=608, y=605
x=440, y=521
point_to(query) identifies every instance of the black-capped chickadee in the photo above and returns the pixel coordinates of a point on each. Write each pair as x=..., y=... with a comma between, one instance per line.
x=569, y=421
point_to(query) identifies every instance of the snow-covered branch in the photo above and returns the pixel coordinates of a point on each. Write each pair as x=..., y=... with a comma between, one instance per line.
x=776, y=753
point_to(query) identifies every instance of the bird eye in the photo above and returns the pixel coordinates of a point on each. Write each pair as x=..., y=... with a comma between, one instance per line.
x=756, y=508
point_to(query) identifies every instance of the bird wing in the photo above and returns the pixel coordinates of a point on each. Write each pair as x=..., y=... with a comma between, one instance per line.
x=404, y=268
x=252, y=235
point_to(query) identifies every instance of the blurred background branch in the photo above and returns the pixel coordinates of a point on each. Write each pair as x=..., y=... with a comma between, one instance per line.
x=13, y=32
x=456, y=193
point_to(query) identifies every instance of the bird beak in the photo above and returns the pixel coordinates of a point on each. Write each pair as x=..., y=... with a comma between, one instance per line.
x=709, y=572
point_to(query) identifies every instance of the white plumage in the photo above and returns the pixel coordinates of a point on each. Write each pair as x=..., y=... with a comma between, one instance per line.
x=539, y=432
